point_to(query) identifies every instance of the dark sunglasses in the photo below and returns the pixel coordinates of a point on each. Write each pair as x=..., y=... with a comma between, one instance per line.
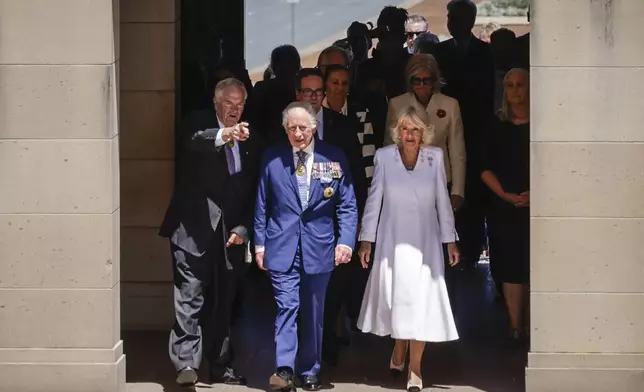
x=412, y=34
x=418, y=81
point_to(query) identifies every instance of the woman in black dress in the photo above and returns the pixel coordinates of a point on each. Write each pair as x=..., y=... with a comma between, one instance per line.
x=506, y=171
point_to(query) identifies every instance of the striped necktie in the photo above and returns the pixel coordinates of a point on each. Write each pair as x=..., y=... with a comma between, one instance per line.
x=302, y=186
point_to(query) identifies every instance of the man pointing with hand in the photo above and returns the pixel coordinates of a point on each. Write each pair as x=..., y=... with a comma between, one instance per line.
x=209, y=223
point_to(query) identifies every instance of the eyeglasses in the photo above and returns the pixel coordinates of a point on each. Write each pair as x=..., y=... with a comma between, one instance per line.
x=307, y=92
x=418, y=81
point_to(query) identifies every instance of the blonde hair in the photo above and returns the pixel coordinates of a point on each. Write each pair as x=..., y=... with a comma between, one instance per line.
x=423, y=62
x=488, y=29
x=418, y=118
x=505, y=113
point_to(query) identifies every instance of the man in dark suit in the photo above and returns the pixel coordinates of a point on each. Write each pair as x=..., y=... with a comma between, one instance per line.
x=271, y=96
x=468, y=70
x=305, y=225
x=384, y=73
x=209, y=223
x=340, y=131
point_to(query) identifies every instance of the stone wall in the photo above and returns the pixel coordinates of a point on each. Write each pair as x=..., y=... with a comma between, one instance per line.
x=149, y=43
x=59, y=204
x=587, y=196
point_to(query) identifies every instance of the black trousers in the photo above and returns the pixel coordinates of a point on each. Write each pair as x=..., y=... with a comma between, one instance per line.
x=204, y=295
x=470, y=221
x=337, y=294
x=346, y=287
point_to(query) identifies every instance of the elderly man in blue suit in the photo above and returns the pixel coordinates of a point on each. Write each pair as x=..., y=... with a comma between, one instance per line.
x=305, y=224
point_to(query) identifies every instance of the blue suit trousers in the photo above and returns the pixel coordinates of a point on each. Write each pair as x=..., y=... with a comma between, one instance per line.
x=299, y=294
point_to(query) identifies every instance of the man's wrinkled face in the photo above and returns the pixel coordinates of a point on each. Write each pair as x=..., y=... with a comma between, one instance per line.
x=413, y=30
x=230, y=105
x=311, y=91
x=299, y=128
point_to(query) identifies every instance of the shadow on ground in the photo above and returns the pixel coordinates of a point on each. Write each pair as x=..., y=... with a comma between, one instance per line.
x=482, y=360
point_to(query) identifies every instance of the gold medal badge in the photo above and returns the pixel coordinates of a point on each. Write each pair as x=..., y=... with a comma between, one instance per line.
x=300, y=170
x=328, y=192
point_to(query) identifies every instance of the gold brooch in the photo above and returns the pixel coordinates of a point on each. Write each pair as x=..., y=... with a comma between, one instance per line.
x=300, y=170
x=328, y=192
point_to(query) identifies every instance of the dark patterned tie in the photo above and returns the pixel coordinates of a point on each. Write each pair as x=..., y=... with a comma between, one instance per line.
x=300, y=172
x=230, y=158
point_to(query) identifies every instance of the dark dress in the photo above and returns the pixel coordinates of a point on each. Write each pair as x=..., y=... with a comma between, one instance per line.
x=507, y=154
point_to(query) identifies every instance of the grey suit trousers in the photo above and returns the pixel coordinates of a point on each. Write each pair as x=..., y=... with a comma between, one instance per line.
x=204, y=293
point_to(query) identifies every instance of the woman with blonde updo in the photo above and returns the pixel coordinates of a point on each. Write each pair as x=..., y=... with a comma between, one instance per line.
x=409, y=216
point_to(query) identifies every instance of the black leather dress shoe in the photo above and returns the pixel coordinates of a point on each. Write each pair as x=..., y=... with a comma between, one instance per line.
x=282, y=380
x=229, y=377
x=187, y=377
x=311, y=383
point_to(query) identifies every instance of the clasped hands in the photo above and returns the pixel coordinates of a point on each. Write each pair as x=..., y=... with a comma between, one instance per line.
x=521, y=200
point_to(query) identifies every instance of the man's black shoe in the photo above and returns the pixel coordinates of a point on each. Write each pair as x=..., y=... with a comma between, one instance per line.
x=311, y=383
x=187, y=377
x=282, y=380
x=229, y=377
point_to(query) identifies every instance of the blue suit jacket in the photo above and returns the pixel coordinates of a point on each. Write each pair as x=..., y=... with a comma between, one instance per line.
x=280, y=222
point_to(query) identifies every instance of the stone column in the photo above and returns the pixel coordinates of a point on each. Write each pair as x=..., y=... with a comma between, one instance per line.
x=59, y=198
x=149, y=46
x=587, y=196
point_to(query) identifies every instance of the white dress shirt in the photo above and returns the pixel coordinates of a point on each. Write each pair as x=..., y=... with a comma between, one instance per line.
x=343, y=111
x=219, y=141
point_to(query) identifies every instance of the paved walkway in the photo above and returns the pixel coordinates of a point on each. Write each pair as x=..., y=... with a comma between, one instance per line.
x=480, y=361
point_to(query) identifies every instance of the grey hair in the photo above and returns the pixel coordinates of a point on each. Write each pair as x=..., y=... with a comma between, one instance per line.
x=229, y=82
x=423, y=62
x=335, y=49
x=505, y=113
x=413, y=19
x=417, y=117
x=300, y=105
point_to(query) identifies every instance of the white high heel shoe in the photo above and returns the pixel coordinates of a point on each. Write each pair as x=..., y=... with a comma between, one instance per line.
x=414, y=383
x=397, y=370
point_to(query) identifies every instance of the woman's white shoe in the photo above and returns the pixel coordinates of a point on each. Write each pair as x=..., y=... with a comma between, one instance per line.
x=397, y=370
x=414, y=383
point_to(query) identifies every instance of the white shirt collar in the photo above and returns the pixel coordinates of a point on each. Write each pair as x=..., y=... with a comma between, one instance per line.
x=309, y=149
x=343, y=110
